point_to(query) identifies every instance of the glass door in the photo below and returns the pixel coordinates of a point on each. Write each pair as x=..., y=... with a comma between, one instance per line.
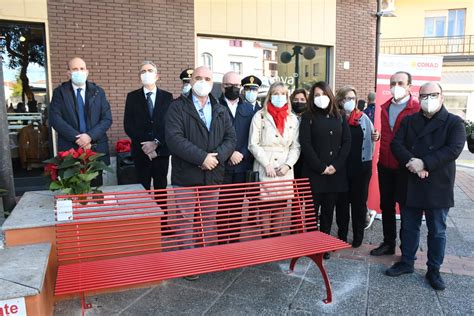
x=23, y=62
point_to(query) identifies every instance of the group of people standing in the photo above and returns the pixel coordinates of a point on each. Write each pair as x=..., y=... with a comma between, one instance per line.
x=315, y=135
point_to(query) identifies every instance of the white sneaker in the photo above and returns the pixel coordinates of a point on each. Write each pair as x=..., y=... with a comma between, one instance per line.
x=371, y=218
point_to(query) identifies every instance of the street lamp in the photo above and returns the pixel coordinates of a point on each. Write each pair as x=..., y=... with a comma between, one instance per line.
x=308, y=53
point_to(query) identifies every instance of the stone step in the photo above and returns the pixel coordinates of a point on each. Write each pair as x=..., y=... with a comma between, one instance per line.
x=23, y=272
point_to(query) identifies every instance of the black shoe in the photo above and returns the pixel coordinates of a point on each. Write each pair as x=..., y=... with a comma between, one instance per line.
x=435, y=279
x=327, y=255
x=399, y=268
x=356, y=243
x=383, y=249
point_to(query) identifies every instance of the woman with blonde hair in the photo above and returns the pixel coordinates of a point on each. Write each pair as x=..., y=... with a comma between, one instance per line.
x=359, y=163
x=273, y=139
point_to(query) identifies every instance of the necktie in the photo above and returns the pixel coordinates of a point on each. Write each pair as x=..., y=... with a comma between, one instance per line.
x=150, y=103
x=80, y=110
x=203, y=117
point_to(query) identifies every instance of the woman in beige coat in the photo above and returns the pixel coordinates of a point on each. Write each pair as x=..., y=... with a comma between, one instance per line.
x=273, y=141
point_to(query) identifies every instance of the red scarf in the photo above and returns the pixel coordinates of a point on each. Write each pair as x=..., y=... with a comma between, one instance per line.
x=355, y=117
x=279, y=116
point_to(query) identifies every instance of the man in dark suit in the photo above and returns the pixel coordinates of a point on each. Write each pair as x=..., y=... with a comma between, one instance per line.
x=80, y=113
x=427, y=145
x=241, y=160
x=144, y=123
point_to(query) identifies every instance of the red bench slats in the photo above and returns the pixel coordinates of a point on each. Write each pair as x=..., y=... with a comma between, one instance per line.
x=110, y=273
x=128, y=238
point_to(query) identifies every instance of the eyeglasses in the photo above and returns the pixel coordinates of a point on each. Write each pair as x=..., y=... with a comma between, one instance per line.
x=350, y=99
x=434, y=95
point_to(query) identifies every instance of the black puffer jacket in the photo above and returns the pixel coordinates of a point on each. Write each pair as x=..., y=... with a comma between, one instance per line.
x=189, y=142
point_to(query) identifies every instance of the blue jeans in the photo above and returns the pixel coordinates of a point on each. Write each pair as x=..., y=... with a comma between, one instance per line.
x=410, y=234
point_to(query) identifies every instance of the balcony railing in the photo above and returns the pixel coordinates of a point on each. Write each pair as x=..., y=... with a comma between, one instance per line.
x=448, y=45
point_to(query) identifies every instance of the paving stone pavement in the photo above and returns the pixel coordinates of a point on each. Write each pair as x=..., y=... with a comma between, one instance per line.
x=358, y=288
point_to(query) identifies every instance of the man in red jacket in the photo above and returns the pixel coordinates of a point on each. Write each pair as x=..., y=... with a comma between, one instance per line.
x=393, y=111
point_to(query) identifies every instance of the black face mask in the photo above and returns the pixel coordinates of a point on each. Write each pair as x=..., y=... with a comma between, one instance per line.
x=298, y=107
x=232, y=93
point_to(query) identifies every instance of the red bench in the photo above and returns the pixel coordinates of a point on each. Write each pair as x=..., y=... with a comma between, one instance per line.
x=126, y=239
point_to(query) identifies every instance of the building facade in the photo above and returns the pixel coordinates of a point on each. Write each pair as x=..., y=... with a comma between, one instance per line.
x=440, y=28
x=115, y=36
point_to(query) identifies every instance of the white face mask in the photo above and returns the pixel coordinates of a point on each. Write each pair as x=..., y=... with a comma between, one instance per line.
x=398, y=92
x=148, y=78
x=251, y=96
x=202, y=88
x=279, y=101
x=430, y=105
x=349, y=106
x=186, y=88
x=321, y=101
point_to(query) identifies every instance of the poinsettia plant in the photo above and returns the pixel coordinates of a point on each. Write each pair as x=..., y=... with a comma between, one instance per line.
x=73, y=170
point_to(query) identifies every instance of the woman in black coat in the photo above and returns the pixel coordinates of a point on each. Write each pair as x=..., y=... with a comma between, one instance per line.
x=325, y=143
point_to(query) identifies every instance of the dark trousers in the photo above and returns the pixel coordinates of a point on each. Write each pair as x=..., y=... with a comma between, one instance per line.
x=156, y=169
x=298, y=169
x=229, y=219
x=99, y=181
x=355, y=200
x=358, y=193
x=389, y=182
x=410, y=234
x=342, y=215
x=325, y=203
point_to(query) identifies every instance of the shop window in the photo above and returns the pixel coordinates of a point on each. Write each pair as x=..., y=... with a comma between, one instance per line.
x=23, y=62
x=263, y=59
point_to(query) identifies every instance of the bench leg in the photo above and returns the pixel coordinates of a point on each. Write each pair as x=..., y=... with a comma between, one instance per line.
x=318, y=259
x=84, y=304
x=293, y=263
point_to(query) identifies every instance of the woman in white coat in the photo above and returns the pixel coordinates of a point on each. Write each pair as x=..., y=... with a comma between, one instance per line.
x=273, y=141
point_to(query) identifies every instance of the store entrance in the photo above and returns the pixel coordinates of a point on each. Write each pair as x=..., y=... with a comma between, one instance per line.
x=23, y=61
